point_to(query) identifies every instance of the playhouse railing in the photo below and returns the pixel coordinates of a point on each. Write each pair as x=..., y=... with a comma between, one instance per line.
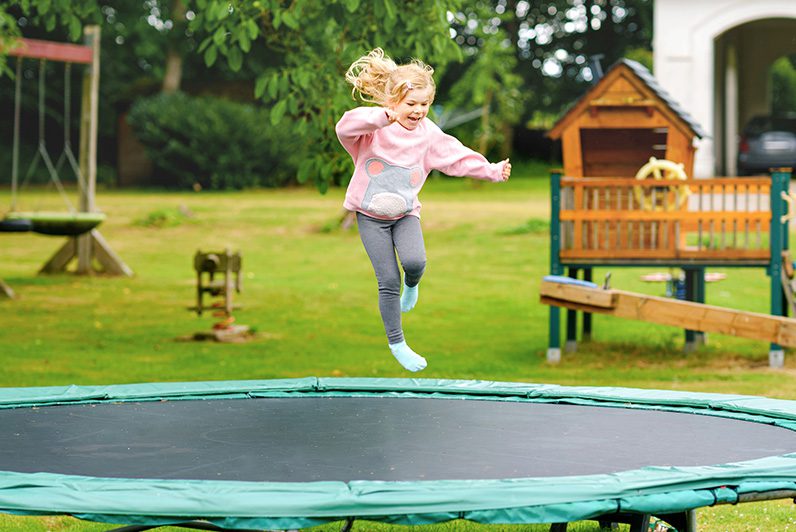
x=620, y=218
x=691, y=224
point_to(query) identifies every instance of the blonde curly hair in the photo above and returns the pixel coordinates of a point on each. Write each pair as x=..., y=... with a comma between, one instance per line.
x=378, y=79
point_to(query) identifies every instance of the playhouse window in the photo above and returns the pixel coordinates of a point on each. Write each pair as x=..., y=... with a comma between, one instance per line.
x=620, y=152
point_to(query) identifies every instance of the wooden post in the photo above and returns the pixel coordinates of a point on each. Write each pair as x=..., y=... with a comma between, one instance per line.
x=554, y=321
x=89, y=113
x=694, y=291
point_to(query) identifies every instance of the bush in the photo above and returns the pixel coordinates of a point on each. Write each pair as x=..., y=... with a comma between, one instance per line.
x=212, y=143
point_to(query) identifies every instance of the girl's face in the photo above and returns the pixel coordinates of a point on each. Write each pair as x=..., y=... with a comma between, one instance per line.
x=414, y=107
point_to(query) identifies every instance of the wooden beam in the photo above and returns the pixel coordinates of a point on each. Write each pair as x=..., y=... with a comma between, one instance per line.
x=5, y=291
x=52, y=51
x=683, y=314
x=101, y=258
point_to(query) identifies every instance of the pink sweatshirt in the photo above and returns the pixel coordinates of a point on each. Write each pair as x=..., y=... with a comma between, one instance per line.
x=392, y=162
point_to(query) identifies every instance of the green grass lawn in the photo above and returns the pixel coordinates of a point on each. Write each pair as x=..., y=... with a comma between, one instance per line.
x=309, y=291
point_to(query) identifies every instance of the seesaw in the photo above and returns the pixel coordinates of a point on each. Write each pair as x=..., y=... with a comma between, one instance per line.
x=589, y=297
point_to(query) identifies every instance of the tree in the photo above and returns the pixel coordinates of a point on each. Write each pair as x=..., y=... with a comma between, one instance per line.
x=307, y=46
x=554, y=41
x=488, y=78
x=783, y=86
x=512, y=59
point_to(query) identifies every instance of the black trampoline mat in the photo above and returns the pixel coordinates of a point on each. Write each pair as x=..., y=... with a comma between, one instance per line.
x=306, y=439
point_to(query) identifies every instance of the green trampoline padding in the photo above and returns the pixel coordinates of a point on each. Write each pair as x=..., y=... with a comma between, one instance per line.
x=145, y=499
x=59, y=223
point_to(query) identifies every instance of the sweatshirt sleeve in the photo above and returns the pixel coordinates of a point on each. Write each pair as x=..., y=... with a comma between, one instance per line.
x=448, y=155
x=357, y=123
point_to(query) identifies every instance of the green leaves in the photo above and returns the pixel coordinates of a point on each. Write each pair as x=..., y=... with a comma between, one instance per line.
x=297, y=51
x=211, y=54
x=351, y=5
x=278, y=111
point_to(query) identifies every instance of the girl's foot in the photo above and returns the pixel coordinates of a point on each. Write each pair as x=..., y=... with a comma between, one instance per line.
x=408, y=358
x=409, y=298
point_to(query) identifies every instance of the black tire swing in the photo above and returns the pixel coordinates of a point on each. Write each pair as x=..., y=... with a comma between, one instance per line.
x=57, y=223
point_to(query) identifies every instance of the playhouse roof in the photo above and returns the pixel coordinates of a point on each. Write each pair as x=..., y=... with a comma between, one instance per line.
x=643, y=75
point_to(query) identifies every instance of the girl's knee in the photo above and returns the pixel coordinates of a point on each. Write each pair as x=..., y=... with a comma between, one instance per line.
x=414, y=267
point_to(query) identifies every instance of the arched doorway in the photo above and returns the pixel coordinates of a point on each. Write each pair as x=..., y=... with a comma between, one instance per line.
x=744, y=56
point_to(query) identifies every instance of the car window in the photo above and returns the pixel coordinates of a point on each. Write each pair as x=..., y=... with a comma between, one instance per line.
x=762, y=124
x=784, y=124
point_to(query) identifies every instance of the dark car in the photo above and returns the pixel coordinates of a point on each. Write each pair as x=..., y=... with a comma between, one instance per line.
x=767, y=142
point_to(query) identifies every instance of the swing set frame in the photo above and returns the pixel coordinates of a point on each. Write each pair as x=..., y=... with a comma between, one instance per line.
x=84, y=242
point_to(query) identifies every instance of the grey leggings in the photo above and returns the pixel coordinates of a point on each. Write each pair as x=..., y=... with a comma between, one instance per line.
x=382, y=238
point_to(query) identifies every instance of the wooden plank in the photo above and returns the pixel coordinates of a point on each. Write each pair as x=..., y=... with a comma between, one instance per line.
x=571, y=152
x=677, y=313
x=595, y=297
x=59, y=261
x=53, y=51
x=111, y=263
x=623, y=118
x=577, y=235
x=662, y=216
x=619, y=167
x=652, y=253
x=620, y=101
x=591, y=181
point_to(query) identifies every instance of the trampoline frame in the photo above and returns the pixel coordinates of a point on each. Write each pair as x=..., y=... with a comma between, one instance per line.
x=669, y=493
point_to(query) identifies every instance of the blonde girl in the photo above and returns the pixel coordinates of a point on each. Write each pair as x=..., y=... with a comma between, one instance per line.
x=394, y=146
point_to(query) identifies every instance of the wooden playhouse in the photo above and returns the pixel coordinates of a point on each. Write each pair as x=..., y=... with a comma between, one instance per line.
x=622, y=121
x=627, y=197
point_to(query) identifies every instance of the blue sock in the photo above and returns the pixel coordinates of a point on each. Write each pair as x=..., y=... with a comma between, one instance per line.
x=409, y=297
x=408, y=358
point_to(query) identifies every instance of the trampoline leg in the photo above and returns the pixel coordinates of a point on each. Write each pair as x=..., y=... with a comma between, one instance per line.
x=690, y=521
x=558, y=527
x=683, y=522
x=640, y=523
x=348, y=525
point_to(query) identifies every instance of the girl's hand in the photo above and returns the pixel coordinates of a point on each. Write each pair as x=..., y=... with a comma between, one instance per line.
x=506, y=170
x=392, y=116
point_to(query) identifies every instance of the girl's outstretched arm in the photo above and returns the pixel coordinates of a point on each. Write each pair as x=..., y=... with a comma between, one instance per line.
x=448, y=155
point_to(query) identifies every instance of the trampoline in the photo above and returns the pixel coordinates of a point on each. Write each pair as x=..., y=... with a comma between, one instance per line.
x=295, y=453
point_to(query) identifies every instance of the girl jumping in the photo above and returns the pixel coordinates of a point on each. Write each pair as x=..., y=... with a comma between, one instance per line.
x=394, y=147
